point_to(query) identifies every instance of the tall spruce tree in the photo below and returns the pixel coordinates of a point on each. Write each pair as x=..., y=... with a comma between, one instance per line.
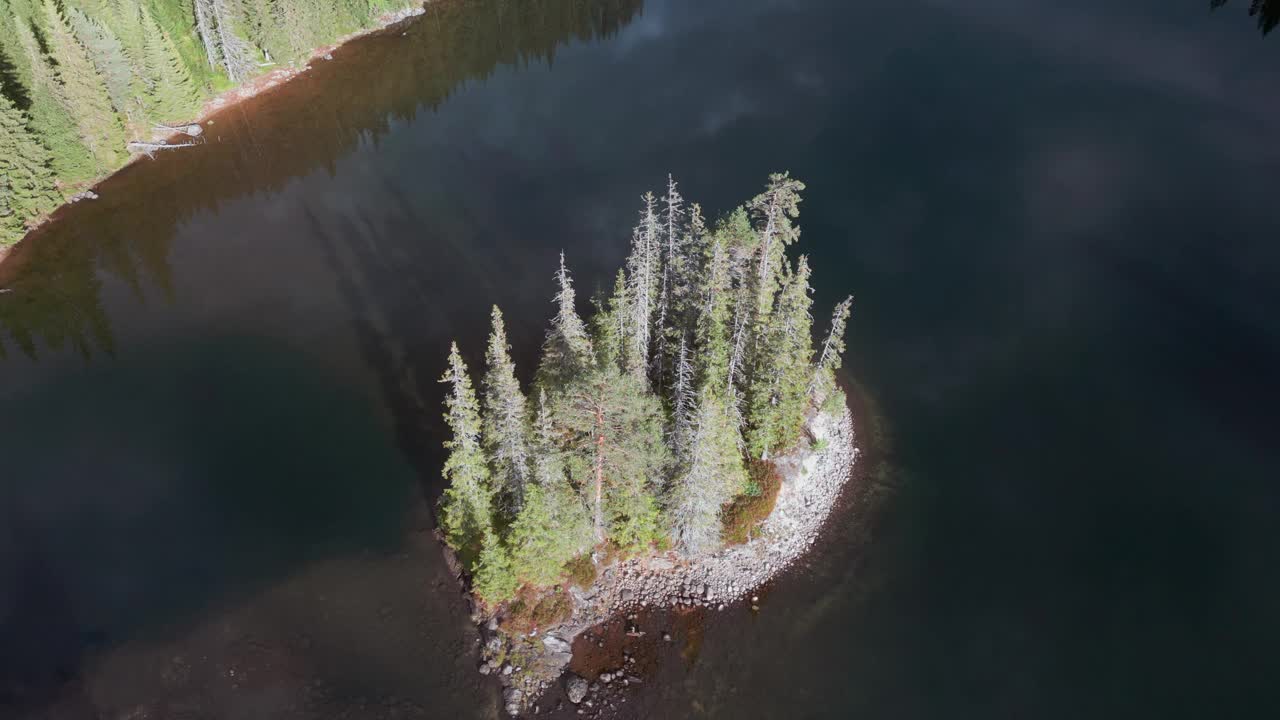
x=780, y=382
x=85, y=91
x=494, y=581
x=567, y=352
x=614, y=426
x=50, y=117
x=108, y=56
x=773, y=210
x=506, y=419
x=467, y=506
x=172, y=95
x=644, y=267
x=682, y=403
x=714, y=475
x=553, y=526
x=831, y=352
x=669, y=326
x=26, y=174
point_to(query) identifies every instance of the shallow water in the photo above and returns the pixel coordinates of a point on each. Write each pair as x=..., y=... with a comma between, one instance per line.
x=219, y=415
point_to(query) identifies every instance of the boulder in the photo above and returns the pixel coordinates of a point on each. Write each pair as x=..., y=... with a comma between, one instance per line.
x=511, y=697
x=576, y=688
x=556, y=644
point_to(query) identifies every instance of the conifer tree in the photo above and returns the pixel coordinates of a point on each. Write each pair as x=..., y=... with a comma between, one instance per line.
x=85, y=92
x=553, y=526
x=613, y=424
x=605, y=458
x=235, y=54
x=172, y=94
x=643, y=283
x=779, y=388
x=466, y=508
x=714, y=319
x=609, y=325
x=494, y=581
x=26, y=174
x=107, y=55
x=506, y=419
x=682, y=403
x=669, y=324
x=831, y=353
x=50, y=117
x=567, y=352
x=715, y=473
x=773, y=210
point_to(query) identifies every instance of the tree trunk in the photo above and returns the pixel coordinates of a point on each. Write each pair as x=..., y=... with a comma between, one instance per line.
x=206, y=32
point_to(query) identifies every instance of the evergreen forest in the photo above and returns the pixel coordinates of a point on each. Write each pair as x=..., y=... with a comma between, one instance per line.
x=79, y=78
x=642, y=421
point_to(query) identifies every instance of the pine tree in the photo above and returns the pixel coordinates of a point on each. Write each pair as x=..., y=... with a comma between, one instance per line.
x=85, y=92
x=494, y=581
x=172, y=94
x=466, y=508
x=506, y=419
x=26, y=174
x=50, y=118
x=567, y=352
x=614, y=428
x=715, y=474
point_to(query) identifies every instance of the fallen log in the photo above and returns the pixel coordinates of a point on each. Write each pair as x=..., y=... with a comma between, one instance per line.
x=150, y=148
x=191, y=130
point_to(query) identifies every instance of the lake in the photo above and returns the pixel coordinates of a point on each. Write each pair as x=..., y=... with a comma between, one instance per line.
x=220, y=422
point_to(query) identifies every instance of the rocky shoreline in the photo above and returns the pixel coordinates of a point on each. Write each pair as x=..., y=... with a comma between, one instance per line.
x=528, y=665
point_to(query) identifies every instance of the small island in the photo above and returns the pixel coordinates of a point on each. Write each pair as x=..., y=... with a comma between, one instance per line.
x=680, y=447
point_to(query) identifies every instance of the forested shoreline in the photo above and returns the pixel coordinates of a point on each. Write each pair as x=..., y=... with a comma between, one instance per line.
x=645, y=421
x=80, y=78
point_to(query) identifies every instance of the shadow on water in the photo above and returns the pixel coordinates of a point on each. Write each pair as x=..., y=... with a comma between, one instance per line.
x=268, y=465
x=229, y=461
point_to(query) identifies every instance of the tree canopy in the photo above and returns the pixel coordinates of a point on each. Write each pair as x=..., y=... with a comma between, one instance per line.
x=647, y=413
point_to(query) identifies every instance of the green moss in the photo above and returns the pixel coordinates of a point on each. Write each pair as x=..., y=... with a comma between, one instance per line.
x=582, y=571
x=740, y=517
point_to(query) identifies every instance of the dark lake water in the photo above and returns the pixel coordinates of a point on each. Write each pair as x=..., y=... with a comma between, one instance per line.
x=219, y=421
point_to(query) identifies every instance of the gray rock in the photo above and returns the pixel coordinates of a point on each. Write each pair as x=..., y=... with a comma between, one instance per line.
x=512, y=697
x=556, y=644
x=576, y=688
x=661, y=563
